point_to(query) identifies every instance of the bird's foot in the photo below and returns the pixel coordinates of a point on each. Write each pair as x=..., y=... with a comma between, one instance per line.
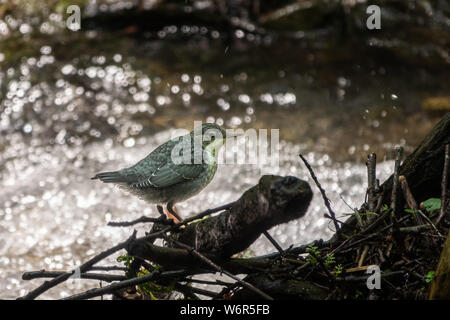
x=171, y=214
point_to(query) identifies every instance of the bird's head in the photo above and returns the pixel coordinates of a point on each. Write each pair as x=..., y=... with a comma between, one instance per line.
x=212, y=136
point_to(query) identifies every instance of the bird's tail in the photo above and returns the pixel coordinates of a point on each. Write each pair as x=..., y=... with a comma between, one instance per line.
x=113, y=176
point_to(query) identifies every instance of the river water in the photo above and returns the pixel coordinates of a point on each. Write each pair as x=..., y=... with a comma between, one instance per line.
x=73, y=105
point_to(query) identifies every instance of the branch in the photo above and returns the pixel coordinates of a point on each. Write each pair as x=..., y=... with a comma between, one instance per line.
x=54, y=274
x=124, y=284
x=410, y=201
x=322, y=191
x=444, y=184
x=394, y=205
x=143, y=219
x=273, y=242
x=371, y=180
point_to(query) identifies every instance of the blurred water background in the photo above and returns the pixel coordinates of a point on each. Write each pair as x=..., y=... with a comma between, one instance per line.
x=76, y=103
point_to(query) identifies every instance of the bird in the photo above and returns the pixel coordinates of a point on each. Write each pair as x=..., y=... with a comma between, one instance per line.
x=176, y=170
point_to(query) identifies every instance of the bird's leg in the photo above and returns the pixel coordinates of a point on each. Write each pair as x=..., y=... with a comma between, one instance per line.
x=161, y=210
x=172, y=211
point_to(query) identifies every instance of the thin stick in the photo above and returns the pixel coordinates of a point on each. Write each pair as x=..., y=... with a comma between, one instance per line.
x=365, y=277
x=413, y=229
x=410, y=201
x=375, y=223
x=430, y=222
x=218, y=268
x=109, y=268
x=82, y=269
x=123, y=284
x=371, y=180
x=213, y=283
x=358, y=216
x=444, y=184
x=322, y=265
x=322, y=191
x=273, y=242
x=347, y=243
x=363, y=255
x=208, y=212
x=53, y=274
x=395, y=185
x=143, y=219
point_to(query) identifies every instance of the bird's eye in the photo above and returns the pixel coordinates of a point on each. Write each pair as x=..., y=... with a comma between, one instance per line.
x=213, y=138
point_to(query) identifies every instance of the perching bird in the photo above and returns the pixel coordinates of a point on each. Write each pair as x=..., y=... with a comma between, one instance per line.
x=174, y=171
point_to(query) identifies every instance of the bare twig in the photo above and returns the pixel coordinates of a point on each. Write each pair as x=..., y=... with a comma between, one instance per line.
x=322, y=191
x=357, y=214
x=283, y=11
x=348, y=242
x=322, y=265
x=363, y=255
x=320, y=244
x=410, y=201
x=326, y=215
x=380, y=199
x=395, y=185
x=444, y=184
x=375, y=223
x=109, y=268
x=53, y=274
x=429, y=222
x=214, y=283
x=273, y=242
x=414, y=229
x=124, y=284
x=208, y=212
x=371, y=181
x=143, y=219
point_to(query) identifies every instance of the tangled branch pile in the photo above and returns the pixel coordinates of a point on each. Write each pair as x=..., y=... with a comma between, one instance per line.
x=401, y=229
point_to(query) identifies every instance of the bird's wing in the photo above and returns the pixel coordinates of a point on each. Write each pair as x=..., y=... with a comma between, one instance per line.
x=170, y=174
x=160, y=169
